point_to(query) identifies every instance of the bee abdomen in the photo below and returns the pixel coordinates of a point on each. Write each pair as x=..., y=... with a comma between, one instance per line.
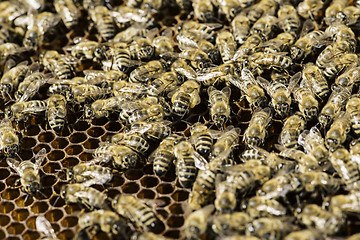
x=204, y=144
x=162, y=162
x=187, y=172
x=181, y=105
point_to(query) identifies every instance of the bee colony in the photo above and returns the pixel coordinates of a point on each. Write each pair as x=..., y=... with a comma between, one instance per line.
x=177, y=119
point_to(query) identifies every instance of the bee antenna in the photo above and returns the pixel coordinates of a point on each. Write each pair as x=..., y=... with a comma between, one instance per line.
x=42, y=194
x=57, y=199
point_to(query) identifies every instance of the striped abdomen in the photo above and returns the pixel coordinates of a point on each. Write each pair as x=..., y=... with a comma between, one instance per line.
x=63, y=70
x=56, y=112
x=122, y=59
x=181, y=104
x=204, y=143
x=186, y=171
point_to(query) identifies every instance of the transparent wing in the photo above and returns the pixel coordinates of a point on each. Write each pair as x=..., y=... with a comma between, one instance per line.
x=39, y=158
x=43, y=226
x=263, y=83
x=14, y=164
x=200, y=161
x=294, y=81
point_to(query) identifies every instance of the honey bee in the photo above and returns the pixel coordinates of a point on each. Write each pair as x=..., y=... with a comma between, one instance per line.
x=133, y=141
x=349, y=15
x=203, y=10
x=88, y=92
x=10, y=11
x=164, y=84
x=264, y=26
x=308, y=105
x=306, y=162
x=289, y=19
x=332, y=51
x=240, y=237
x=152, y=113
x=341, y=63
x=203, y=189
x=58, y=64
x=88, y=196
x=313, y=143
x=128, y=90
x=312, y=181
x=68, y=12
x=225, y=41
x=348, y=79
x=150, y=70
x=263, y=207
x=226, y=195
x=123, y=157
x=354, y=236
x=29, y=172
x=89, y=174
x=256, y=132
x=334, y=105
x=204, y=30
x=305, y=45
x=100, y=15
x=181, y=67
x=222, y=160
x=261, y=60
x=12, y=77
x=198, y=59
x=240, y=26
x=264, y=7
x=196, y=223
x=253, y=93
x=314, y=79
x=152, y=130
x=30, y=86
x=347, y=169
x=219, y=105
x=164, y=44
x=187, y=162
x=324, y=221
x=21, y=110
x=304, y=234
x=230, y=223
x=86, y=49
x=249, y=46
x=104, y=220
x=310, y=8
x=228, y=139
x=223, y=73
x=291, y=130
x=147, y=236
x=355, y=150
x=103, y=107
x=280, y=43
x=43, y=226
x=10, y=49
x=141, y=49
x=270, y=228
x=56, y=111
x=9, y=141
x=202, y=138
x=185, y=98
x=333, y=10
x=352, y=109
x=135, y=210
x=345, y=203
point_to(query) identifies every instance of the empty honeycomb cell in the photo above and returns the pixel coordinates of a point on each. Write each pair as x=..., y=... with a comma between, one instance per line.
x=27, y=142
x=176, y=208
x=6, y=207
x=95, y=131
x=48, y=181
x=99, y=121
x=32, y=130
x=72, y=208
x=165, y=188
x=46, y=137
x=69, y=222
x=10, y=194
x=69, y=162
x=26, y=154
x=175, y=221
x=2, y=186
x=180, y=195
x=113, y=126
x=51, y=167
x=31, y=235
x=170, y=175
x=4, y=173
x=149, y=181
x=133, y=174
x=31, y=222
x=66, y=234
x=84, y=156
x=163, y=213
x=163, y=201
x=15, y=228
x=172, y=234
x=148, y=169
x=2, y=234
x=57, y=201
x=41, y=146
x=160, y=227
x=39, y=207
x=111, y=193
x=13, y=238
x=130, y=187
x=116, y=181
x=101, y=236
x=12, y=181
x=146, y=193
x=59, y=143
x=24, y=201
x=81, y=126
x=66, y=131
x=91, y=143
x=78, y=137
x=56, y=155
x=45, y=193
x=4, y=220
x=20, y=214
x=54, y=215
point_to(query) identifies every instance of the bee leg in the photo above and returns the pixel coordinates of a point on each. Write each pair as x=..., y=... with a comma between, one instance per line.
x=17, y=183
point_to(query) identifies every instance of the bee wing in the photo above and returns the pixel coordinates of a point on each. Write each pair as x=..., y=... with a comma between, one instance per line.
x=302, y=138
x=14, y=164
x=263, y=83
x=39, y=158
x=294, y=81
x=215, y=134
x=46, y=23
x=134, y=89
x=308, y=26
x=200, y=161
x=315, y=133
x=43, y=226
x=9, y=64
x=143, y=129
x=226, y=91
x=31, y=91
x=260, y=150
x=209, y=73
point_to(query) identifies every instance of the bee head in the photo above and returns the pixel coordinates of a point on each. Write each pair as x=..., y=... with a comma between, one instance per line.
x=282, y=109
x=89, y=113
x=11, y=150
x=100, y=52
x=69, y=174
x=253, y=141
x=32, y=184
x=311, y=113
x=63, y=191
x=219, y=120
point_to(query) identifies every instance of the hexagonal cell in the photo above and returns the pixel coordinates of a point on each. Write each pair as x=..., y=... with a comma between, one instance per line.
x=39, y=207
x=176, y=208
x=51, y=167
x=32, y=130
x=149, y=181
x=160, y=227
x=91, y=143
x=175, y=221
x=4, y=173
x=172, y=234
x=130, y=187
x=165, y=188
x=46, y=137
x=164, y=201
x=24, y=201
x=66, y=234
x=112, y=193
x=20, y=214
x=95, y=131
x=74, y=149
x=48, y=181
x=180, y=195
x=81, y=126
x=12, y=181
x=2, y=186
x=31, y=235
x=101, y=236
x=113, y=126
x=54, y=215
x=148, y=169
x=31, y=222
x=26, y=154
x=56, y=155
x=78, y=137
x=116, y=181
x=163, y=213
x=41, y=146
x=72, y=208
x=56, y=201
x=69, y=162
x=59, y=143
x=6, y=207
x=10, y=194
x=146, y=193
x=133, y=174
x=100, y=121
x=84, y=156
x=28, y=142
x=15, y=228
x=2, y=234
x=69, y=222
x=4, y=220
